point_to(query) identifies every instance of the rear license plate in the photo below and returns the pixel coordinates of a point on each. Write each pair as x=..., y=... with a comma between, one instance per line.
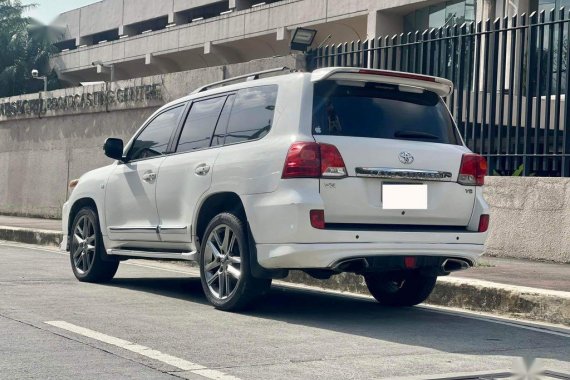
x=404, y=197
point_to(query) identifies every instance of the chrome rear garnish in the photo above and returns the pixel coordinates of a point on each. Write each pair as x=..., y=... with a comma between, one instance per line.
x=413, y=174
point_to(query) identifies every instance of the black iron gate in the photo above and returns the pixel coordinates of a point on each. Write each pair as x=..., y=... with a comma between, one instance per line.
x=511, y=84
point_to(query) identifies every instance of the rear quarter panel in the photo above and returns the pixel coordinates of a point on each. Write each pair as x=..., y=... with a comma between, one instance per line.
x=255, y=167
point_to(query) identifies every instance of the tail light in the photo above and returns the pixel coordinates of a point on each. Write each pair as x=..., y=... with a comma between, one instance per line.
x=397, y=74
x=483, y=223
x=313, y=160
x=332, y=164
x=473, y=170
x=317, y=219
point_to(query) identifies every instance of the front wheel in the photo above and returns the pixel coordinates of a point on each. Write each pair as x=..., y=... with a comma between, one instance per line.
x=404, y=290
x=225, y=266
x=87, y=252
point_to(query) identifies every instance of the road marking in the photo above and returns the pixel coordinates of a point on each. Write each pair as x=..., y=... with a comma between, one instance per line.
x=173, y=361
x=542, y=327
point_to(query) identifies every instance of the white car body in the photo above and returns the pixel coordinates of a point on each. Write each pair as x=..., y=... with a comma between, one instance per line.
x=159, y=218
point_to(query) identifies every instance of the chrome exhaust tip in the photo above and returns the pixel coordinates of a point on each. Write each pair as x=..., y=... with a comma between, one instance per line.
x=351, y=265
x=455, y=265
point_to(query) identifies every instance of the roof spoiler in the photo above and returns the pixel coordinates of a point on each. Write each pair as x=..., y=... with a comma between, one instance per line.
x=441, y=86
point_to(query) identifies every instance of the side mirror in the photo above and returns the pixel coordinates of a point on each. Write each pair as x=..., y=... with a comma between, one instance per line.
x=113, y=148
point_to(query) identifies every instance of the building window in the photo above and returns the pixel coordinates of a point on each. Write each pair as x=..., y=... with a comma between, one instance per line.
x=444, y=14
x=547, y=5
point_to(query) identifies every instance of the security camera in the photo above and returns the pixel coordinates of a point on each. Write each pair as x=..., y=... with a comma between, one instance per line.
x=35, y=73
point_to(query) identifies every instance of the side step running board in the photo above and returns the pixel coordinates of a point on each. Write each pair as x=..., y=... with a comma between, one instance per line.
x=190, y=256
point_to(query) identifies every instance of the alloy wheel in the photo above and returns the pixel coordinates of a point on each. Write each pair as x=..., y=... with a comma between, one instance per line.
x=83, y=246
x=222, y=262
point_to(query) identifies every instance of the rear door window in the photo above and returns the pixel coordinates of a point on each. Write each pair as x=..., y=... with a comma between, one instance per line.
x=376, y=110
x=200, y=124
x=252, y=114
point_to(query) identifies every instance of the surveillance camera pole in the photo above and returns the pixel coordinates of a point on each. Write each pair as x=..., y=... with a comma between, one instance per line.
x=44, y=78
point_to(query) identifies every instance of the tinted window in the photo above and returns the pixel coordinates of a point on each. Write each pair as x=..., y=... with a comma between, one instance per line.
x=200, y=124
x=252, y=114
x=220, y=134
x=153, y=140
x=381, y=111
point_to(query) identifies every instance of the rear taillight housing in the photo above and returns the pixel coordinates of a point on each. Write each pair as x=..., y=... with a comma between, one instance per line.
x=317, y=218
x=483, y=223
x=473, y=170
x=313, y=160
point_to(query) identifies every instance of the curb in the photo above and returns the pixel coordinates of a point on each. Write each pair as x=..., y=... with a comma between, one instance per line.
x=30, y=236
x=540, y=305
x=476, y=295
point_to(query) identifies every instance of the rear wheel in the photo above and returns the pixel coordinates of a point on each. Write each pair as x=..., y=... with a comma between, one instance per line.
x=404, y=290
x=225, y=266
x=87, y=252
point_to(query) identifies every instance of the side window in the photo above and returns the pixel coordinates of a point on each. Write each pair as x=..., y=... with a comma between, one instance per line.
x=200, y=124
x=220, y=134
x=153, y=140
x=252, y=114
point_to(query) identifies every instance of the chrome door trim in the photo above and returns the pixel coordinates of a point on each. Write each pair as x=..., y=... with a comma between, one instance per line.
x=411, y=174
x=171, y=230
x=190, y=256
x=129, y=229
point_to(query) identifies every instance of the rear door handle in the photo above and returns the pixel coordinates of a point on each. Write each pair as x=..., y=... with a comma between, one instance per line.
x=149, y=177
x=202, y=169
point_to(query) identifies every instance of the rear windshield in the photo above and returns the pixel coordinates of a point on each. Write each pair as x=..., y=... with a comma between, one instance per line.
x=381, y=111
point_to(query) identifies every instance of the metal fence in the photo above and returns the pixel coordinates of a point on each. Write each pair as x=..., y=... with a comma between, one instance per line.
x=511, y=84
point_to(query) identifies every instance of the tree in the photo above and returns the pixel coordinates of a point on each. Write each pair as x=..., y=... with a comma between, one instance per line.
x=24, y=46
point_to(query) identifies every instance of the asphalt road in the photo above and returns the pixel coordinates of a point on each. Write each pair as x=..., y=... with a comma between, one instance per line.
x=152, y=322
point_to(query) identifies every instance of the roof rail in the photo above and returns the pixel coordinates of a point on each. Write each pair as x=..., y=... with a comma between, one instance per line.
x=245, y=78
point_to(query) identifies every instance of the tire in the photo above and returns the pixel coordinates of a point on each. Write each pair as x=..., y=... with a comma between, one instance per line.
x=408, y=290
x=225, y=270
x=87, y=251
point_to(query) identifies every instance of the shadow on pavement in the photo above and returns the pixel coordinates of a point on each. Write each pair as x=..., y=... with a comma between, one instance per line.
x=414, y=326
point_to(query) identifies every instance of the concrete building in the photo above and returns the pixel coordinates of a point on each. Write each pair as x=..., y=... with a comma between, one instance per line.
x=148, y=37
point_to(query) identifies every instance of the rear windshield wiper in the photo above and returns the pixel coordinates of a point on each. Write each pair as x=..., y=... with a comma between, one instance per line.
x=416, y=134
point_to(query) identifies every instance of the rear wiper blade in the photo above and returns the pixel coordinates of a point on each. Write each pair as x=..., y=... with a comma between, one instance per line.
x=416, y=134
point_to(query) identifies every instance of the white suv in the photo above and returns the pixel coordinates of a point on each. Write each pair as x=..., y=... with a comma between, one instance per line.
x=338, y=170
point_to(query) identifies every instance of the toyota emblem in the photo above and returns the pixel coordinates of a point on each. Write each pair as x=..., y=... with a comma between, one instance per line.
x=406, y=158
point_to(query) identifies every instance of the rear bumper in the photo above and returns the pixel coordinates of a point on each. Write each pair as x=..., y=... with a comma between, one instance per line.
x=326, y=255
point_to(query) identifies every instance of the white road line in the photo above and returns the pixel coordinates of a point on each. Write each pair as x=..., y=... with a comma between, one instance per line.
x=173, y=361
x=543, y=327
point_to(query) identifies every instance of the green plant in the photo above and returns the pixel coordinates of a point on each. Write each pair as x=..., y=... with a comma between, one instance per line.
x=26, y=45
x=518, y=172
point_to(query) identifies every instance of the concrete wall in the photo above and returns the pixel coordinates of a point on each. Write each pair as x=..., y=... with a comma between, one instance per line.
x=530, y=218
x=39, y=156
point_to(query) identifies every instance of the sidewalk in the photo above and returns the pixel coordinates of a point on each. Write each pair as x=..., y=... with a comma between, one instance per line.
x=526, y=289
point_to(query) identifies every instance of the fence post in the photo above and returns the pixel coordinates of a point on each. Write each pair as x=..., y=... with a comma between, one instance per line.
x=501, y=70
x=565, y=134
x=530, y=72
x=477, y=64
x=460, y=80
x=493, y=127
x=549, y=68
x=558, y=88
